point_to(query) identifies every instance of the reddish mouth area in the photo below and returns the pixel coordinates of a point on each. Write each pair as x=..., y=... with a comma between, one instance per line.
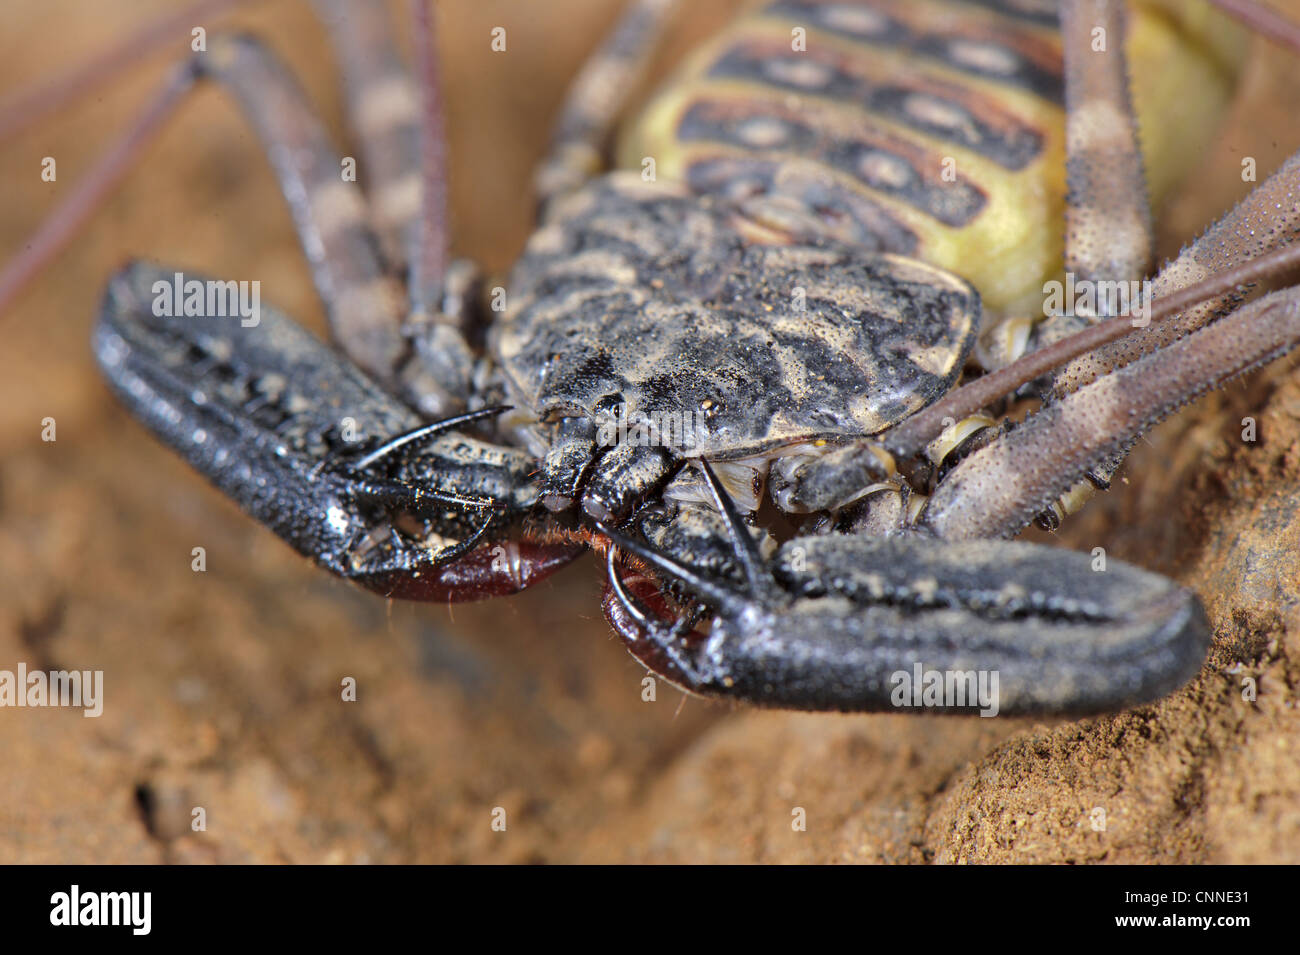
x=492, y=570
x=654, y=602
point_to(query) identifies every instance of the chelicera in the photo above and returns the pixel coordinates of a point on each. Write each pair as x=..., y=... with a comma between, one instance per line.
x=743, y=388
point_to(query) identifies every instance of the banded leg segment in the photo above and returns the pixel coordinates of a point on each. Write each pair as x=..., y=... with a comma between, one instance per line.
x=363, y=302
x=404, y=163
x=1108, y=227
x=998, y=490
x=1108, y=224
x=398, y=121
x=399, y=128
x=597, y=97
x=1266, y=220
x=1108, y=231
x=383, y=110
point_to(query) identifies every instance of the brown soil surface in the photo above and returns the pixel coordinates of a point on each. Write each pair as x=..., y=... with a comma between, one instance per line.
x=222, y=687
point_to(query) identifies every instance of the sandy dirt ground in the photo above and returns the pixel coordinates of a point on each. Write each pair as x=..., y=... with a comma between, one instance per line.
x=222, y=688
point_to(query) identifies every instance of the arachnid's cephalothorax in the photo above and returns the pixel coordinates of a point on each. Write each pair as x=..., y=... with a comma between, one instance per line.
x=765, y=371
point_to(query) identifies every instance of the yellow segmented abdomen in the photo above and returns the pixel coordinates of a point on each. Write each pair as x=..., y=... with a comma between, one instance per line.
x=934, y=128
